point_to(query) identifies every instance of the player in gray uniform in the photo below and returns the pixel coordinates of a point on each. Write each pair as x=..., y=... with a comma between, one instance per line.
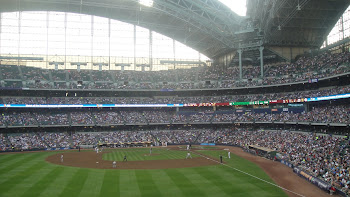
x=114, y=164
x=61, y=158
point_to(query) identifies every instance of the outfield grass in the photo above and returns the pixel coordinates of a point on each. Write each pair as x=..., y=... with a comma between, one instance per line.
x=30, y=175
x=141, y=154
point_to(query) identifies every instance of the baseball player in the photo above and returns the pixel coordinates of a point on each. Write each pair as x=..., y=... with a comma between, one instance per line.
x=150, y=150
x=229, y=154
x=188, y=147
x=114, y=164
x=61, y=158
x=125, y=159
x=188, y=155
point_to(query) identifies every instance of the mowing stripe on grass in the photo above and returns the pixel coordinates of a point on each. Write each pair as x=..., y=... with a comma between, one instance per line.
x=128, y=184
x=42, y=184
x=17, y=167
x=110, y=184
x=250, y=175
x=29, y=181
x=7, y=166
x=8, y=157
x=93, y=184
x=143, y=154
x=19, y=177
x=171, y=155
x=164, y=184
x=135, y=156
x=59, y=183
x=204, y=184
x=146, y=184
x=76, y=183
x=219, y=181
x=185, y=185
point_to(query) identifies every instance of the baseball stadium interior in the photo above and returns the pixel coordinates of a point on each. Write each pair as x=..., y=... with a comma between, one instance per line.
x=273, y=79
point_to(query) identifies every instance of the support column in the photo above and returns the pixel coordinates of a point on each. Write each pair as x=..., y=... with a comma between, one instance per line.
x=19, y=37
x=240, y=63
x=0, y=31
x=261, y=49
x=65, y=39
x=109, y=44
x=134, y=47
x=150, y=51
x=92, y=42
x=47, y=39
x=174, y=53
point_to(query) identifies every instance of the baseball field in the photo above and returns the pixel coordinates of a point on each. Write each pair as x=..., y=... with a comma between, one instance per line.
x=37, y=174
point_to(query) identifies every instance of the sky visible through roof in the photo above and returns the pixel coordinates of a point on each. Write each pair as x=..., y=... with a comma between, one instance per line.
x=238, y=6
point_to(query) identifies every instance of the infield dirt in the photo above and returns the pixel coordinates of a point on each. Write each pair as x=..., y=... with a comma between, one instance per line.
x=94, y=160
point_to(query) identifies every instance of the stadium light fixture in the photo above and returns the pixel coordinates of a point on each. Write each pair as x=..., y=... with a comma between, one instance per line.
x=148, y=3
x=298, y=6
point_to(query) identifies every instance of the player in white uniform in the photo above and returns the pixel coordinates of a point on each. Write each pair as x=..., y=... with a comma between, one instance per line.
x=114, y=164
x=188, y=147
x=229, y=154
x=188, y=155
x=61, y=158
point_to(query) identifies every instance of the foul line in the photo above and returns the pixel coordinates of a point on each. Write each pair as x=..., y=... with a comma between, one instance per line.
x=249, y=174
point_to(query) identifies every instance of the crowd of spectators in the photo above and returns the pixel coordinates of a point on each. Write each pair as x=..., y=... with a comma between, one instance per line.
x=4, y=142
x=156, y=116
x=106, y=118
x=118, y=138
x=55, y=140
x=195, y=118
x=19, y=119
x=49, y=118
x=25, y=141
x=317, y=114
x=132, y=117
x=82, y=118
x=305, y=68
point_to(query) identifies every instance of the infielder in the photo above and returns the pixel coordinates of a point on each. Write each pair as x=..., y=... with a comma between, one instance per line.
x=114, y=164
x=188, y=147
x=188, y=155
x=229, y=154
x=150, y=150
x=61, y=158
x=125, y=159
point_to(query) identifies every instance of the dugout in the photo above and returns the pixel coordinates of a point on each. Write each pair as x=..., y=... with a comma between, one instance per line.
x=263, y=151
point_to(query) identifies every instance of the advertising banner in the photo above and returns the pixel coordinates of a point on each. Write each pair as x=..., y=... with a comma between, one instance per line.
x=316, y=181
